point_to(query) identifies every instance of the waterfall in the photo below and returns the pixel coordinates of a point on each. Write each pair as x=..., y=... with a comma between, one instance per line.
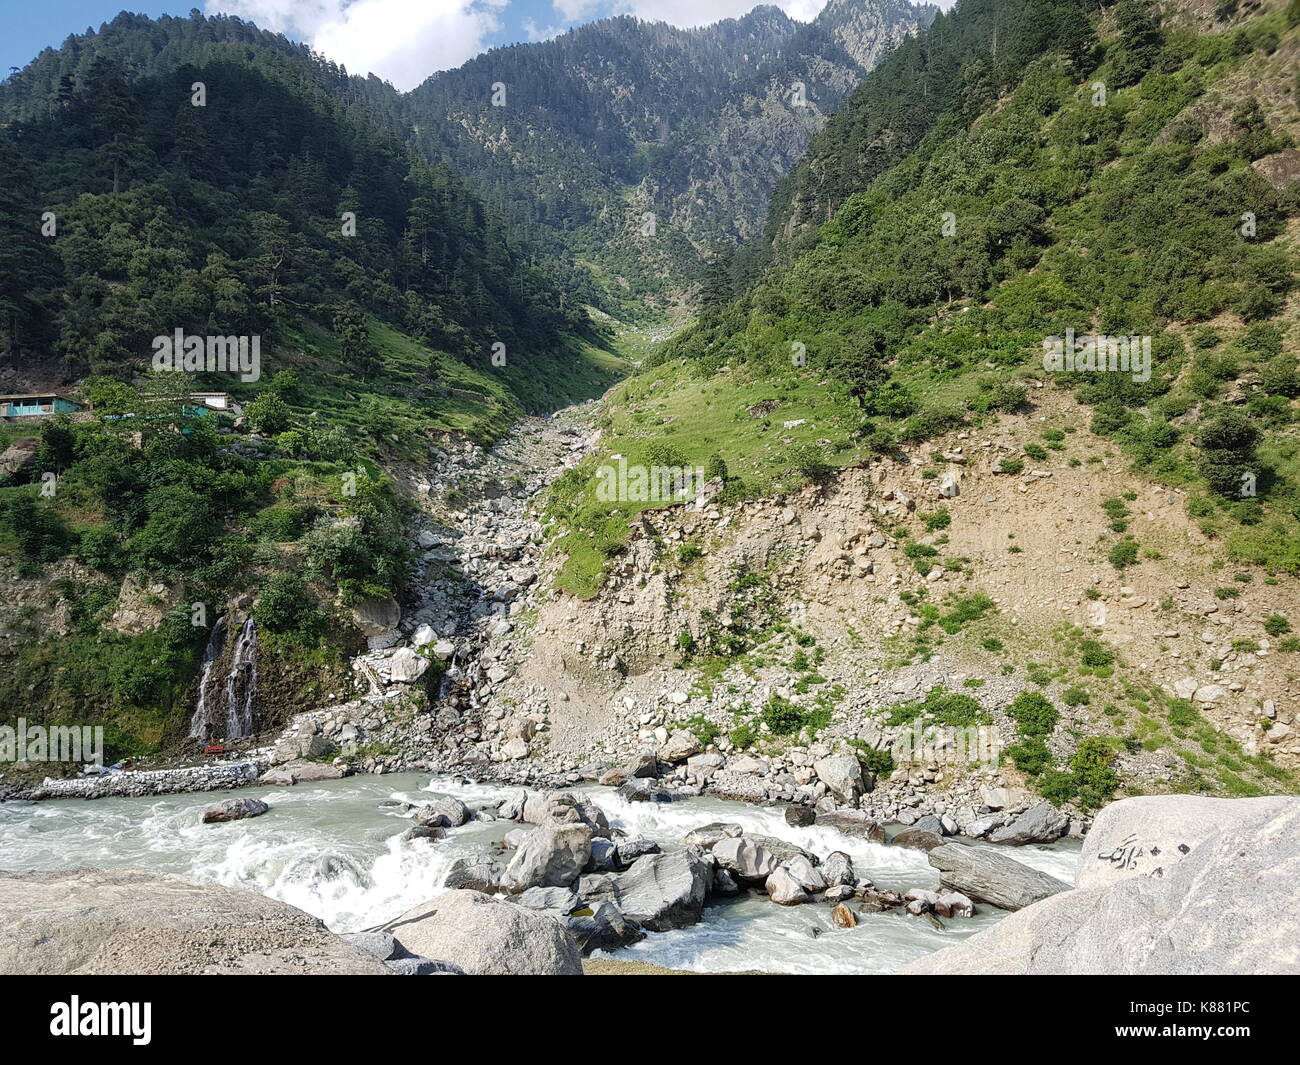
x=201, y=722
x=241, y=684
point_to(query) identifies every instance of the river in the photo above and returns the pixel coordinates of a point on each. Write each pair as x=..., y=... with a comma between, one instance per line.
x=335, y=850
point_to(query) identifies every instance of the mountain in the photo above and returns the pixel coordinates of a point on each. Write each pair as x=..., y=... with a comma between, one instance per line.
x=620, y=119
x=913, y=488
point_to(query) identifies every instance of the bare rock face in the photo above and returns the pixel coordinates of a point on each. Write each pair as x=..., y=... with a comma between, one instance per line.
x=142, y=604
x=110, y=922
x=484, y=936
x=1227, y=907
x=1147, y=836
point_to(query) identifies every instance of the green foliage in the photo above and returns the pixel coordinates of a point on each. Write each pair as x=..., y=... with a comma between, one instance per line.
x=284, y=608
x=1034, y=715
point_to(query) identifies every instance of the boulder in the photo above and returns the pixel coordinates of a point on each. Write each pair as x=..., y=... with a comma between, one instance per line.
x=234, y=810
x=411, y=965
x=953, y=904
x=564, y=808
x=1146, y=836
x=988, y=876
x=550, y=856
x=406, y=666
x=381, y=945
x=487, y=937
x=1043, y=823
x=917, y=839
x=88, y=922
x=807, y=875
x=842, y=773
x=680, y=746
x=1227, y=908
x=784, y=888
x=708, y=835
x=800, y=816
x=783, y=849
x=478, y=874
x=843, y=917
x=454, y=812
x=629, y=850
x=852, y=823
x=745, y=859
x=605, y=927
x=604, y=856
x=929, y=823
x=301, y=773
x=662, y=892
x=553, y=900
x=644, y=789
x=838, y=869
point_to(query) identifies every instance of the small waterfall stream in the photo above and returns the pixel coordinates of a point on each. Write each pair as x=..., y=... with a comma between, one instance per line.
x=239, y=690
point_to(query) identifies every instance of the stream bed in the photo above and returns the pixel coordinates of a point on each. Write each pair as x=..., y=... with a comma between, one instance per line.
x=335, y=850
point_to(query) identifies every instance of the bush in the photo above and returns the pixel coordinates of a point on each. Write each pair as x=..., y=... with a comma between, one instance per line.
x=1033, y=714
x=1124, y=553
x=1096, y=655
x=268, y=413
x=1276, y=625
x=283, y=608
x=1030, y=755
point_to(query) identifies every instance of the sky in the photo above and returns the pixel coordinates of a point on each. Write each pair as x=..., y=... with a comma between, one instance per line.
x=403, y=41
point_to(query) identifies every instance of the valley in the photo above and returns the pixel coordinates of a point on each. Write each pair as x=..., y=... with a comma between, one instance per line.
x=909, y=640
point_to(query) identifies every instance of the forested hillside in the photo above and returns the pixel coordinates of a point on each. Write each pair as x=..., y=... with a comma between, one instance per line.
x=388, y=301
x=1024, y=168
x=620, y=119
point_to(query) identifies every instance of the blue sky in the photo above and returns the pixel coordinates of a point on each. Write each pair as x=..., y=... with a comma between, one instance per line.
x=400, y=40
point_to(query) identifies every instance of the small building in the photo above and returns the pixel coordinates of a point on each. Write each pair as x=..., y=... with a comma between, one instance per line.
x=223, y=402
x=37, y=405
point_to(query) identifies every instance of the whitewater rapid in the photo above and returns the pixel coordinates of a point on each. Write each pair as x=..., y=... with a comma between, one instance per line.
x=335, y=850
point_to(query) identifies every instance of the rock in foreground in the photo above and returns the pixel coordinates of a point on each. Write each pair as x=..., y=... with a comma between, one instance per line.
x=487, y=937
x=110, y=922
x=1227, y=907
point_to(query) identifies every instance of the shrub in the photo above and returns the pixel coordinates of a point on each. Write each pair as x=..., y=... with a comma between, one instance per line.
x=1276, y=625
x=1124, y=553
x=1030, y=755
x=1033, y=714
x=1096, y=655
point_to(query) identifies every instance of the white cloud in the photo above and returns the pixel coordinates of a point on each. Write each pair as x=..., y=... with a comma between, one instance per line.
x=403, y=41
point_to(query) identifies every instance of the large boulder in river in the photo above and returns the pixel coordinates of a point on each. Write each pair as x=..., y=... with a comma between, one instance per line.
x=447, y=812
x=707, y=835
x=664, y=891
x=784, y=888
x=842, y=773
x=478, y=873
x=487, y=937
x=1226, y=908
x=1146, y=836
x=564, y=808
x=234, y=810
x=88, y=922
x=1043, y=823
x=745, y=859
x=987, y=876
x=549, y=856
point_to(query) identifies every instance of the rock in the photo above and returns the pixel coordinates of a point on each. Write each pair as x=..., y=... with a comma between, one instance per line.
x=554, y=900
x=1147, y=836
x=604, y=856
x=1039, y=824
x=838, y=869
x=929, y=823
x=234, y=810
x=1209, y=693
x=406, y=666
x=838, y=893
x=853, y=823
x=628, y=851
x=982, y=826
x=806, y=874
x=662, y=892
x=88, y=922
x=550, y=856
x=414, y=966
x=606, y=927
x=709, y=835
x=800, y=816
x=917, y=839
x=987, y=876
x=424, y=832
x=641, y=789
x=515, y=749
x=644, y=765
x=1006, y=798
x=444, y=650
x=724, y=883
x=454, y=812
x=680, y=746
x=477, y=874
x=377, y=619
x=301, y=773
x=747, y=765
x=747, y=860
x=843, y=917
x=565, y=808
x=783, y=888
x=488, y=937
x=1227, y=908
x=843, y=775
x=423, y=636
x=954, y=904
x=380, y=945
